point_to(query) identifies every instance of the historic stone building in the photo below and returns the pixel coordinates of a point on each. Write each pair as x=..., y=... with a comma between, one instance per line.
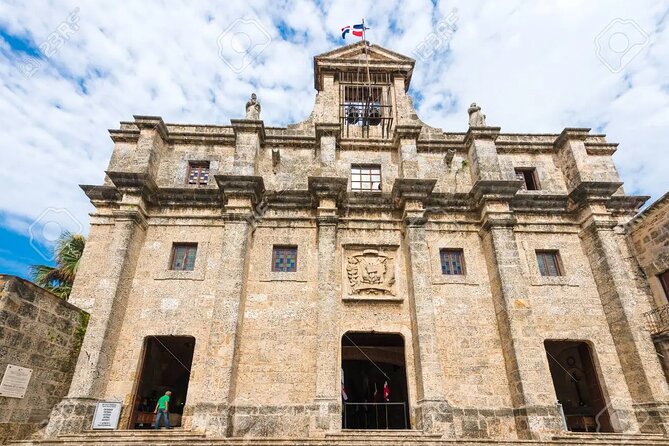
x=649, y=235
x=363, y=270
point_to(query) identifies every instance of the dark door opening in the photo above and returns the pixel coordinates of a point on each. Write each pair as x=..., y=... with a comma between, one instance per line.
x=374, y=382
x=577, y=386
x=165, y=365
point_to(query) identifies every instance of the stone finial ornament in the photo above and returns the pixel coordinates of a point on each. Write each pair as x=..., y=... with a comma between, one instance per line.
x=253, y=108
x=476, y=118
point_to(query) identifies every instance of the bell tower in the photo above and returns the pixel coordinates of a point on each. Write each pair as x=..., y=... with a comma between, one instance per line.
x=366, y=89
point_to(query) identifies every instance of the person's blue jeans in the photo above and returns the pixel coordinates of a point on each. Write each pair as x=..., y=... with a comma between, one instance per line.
x=162, y=413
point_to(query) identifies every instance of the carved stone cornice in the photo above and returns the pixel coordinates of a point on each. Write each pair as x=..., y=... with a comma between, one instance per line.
x=152, y=122
x=411, y=189
x=241, y=186
x=101, y=194
x=328, y=187
x=134, y=214
x=588, y=191
x=490, y=133
x=573, y=133
x=189, y=196
x=405, y=131
x=249, y=126
x=327, y=129
x=497, y=190
x=134, y=183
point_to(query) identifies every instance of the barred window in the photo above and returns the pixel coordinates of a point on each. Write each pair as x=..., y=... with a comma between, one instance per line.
x=183, y=256
x=529, y=178
x=452, y=262
x=284, y=259
x=198, y=173
x=549, y=263
x=365, y=178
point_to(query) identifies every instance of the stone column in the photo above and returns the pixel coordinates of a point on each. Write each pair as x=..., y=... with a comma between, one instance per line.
x=405, y=142
x=213, y=407
x=624, y=302
x=114, y=279
x=433, y=413
x=327, y=192
x=528, y=374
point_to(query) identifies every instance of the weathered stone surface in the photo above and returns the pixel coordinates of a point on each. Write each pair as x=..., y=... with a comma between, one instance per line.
x=41, y=332
x=268, y=350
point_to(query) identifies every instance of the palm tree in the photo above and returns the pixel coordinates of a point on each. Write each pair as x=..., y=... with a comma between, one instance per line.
x=59, y=279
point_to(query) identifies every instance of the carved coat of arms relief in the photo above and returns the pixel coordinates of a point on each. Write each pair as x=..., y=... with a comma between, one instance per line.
x=371, y=272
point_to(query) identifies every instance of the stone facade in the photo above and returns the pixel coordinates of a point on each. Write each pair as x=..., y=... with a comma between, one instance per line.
x=41, y=332
x=267, y=356
x=648, y=234
x=649, y=238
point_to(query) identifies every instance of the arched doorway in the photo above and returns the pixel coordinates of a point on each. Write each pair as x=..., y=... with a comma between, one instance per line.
x=165, y=365
x=577, y=386
x=374, y=381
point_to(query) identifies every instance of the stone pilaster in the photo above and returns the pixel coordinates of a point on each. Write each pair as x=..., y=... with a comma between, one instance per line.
x=327, y=136
x=152, y=143
x=114, y=274
x=327, y=193
x=249, y=138
x=213, y=407
x=624, y=303
x=484, y=162
x=433, y=413
x=405, y=139
x=528, y=375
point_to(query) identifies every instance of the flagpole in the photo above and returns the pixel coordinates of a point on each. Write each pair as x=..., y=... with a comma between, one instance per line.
x=369, y=80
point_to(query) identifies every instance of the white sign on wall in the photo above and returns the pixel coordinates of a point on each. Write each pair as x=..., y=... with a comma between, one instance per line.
x=15, y=381
x=106, y=415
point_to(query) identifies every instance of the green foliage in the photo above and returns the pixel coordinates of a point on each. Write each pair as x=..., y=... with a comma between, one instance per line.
x=59, y=279
x=81, y=329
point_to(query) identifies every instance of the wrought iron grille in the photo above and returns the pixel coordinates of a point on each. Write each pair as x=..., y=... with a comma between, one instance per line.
x=658, y=320
x=365, y=108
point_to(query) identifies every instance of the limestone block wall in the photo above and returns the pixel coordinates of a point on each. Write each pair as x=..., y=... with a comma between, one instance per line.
x=648, y=234
x=163, y=302
x=41, y=332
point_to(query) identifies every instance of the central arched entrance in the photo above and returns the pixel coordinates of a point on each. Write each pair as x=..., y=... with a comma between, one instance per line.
x=374, y=381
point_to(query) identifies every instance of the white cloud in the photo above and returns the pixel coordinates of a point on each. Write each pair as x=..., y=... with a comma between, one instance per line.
x=531, y=65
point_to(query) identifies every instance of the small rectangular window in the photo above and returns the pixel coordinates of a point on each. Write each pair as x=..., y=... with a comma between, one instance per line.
x=549, y=263
x=664, y=280
x=452, y=262
x=366, y=178
x=529, y=178
x=198, y=173
x=183, y=256
x=284, y=259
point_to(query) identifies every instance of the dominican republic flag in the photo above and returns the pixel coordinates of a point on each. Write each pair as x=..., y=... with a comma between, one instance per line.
x=357, y=30
x=386, y=391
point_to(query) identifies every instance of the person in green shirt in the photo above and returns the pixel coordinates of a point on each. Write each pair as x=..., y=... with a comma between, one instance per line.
x=163, y=410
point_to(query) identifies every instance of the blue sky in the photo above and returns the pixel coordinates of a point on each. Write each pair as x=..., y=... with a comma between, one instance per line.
x=74, y=70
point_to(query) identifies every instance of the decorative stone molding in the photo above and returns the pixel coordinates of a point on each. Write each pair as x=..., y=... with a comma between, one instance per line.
x=241, y=186
x=369, y=273
x=134, y=183
x=152, y=122
x=405, y=131
x=249, y=126
x=575, y=133
x=327, y=129
x=489, y=133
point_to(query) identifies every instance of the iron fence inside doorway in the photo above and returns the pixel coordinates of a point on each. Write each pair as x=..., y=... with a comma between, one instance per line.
x=373, y=415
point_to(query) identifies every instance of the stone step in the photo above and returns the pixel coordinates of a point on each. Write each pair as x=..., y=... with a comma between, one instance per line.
x=348, y=438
